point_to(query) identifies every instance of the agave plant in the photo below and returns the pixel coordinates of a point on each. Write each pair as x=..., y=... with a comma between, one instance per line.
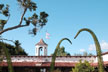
x=98, y=48
x=54, y=55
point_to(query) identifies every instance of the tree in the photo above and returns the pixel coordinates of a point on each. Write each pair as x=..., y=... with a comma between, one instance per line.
x=13, y=50
x=83, y=67
x=62, y=52
x=55, y=53
x=98, y=48
x=5, y=52
x=90, y=54
x=77, y=54
x=10, y=50
x=35, y=20
x=84, y=54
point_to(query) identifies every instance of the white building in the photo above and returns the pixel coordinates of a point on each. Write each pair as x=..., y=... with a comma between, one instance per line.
x=42, y=61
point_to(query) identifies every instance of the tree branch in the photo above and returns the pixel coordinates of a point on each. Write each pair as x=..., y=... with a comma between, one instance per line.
x=22, y=16
x=7, y=40
x=8, y=18
x=17, y=26
x=11, y=28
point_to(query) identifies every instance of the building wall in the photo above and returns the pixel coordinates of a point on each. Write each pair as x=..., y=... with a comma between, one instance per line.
x=48, y=59
x=58, y=59
x=105, y=58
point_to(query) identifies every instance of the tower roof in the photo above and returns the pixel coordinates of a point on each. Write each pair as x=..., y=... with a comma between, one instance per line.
x=41, y=42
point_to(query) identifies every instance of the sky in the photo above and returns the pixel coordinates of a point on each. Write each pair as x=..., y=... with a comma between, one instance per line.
x=65, y=18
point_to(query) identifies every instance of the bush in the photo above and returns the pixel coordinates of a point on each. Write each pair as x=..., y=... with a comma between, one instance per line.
x=83, y=67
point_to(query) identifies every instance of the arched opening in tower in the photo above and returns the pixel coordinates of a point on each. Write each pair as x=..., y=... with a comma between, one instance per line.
x=41, y=52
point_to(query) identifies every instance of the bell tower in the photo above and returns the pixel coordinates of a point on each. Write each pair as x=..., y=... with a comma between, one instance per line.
x=41, y=46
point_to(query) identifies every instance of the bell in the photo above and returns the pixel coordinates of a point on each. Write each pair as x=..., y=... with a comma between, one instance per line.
x=41, y=49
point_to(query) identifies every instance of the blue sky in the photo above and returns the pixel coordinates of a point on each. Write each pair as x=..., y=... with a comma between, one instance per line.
x=66, y=17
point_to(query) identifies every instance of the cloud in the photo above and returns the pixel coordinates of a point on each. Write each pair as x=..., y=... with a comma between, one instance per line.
x=82, y=50
x=92, y=47
x=103, y=44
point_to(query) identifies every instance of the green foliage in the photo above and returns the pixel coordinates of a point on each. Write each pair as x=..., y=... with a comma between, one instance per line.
x=5, y=50
x=35, y=20
x=84, y=54
x=83, y=67
x=98, y=48
x=90, y=54
x=43, y=19
x=14, y=50
x=28, y=4
x=77, y=54
x=62, y=52
x=38, y=21
x=55, y=53
x=2, y=24
x=1, y=6
x=4, y=9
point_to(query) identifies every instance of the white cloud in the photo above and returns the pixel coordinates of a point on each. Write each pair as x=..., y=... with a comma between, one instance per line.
x=103, y=44
x=92, y=47
x=82, y=50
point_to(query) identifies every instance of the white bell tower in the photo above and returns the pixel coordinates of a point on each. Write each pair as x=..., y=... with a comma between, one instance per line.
x=41, y=46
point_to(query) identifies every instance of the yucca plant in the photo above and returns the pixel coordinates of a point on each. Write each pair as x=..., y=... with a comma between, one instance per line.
x=55, y=52
x=98, y=48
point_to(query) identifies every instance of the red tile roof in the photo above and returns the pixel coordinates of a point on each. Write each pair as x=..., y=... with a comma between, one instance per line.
x=60, y=64
x=51, y=56
x=104, y=53
x=47, y=64
x=21, y=64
